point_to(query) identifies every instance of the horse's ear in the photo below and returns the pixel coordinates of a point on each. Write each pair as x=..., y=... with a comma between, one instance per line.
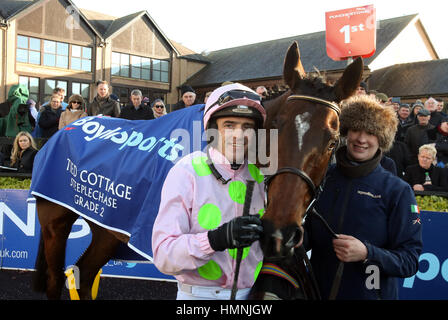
x=350, y=80
x=292, y=67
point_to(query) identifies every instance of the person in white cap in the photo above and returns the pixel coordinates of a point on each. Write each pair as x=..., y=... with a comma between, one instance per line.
x=200, y=223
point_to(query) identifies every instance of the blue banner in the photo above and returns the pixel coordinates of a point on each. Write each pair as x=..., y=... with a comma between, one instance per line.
x=111, y=171
x=20, y=231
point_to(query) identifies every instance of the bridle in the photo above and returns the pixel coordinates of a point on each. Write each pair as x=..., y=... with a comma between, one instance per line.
x=314, y=191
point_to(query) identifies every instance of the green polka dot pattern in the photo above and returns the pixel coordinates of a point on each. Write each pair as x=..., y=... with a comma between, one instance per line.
x=257, y=270
x=255, y=173
x=233, y=252
x=201, y=167
x=210, y=271
x=237, y=191
x=209, y=216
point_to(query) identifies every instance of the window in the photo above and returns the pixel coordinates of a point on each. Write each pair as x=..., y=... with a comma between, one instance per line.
x=28, y=50
x=50, y=85
x=53, y=53
x=81, y=58
x=160, y=70
x=136, y=67
x=83, y=89
x=33, y=86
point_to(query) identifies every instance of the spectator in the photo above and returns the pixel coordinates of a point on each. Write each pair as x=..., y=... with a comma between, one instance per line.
x=158, y=108
x=74, y=111
x=262, y=92
x=404, y=121
x=424, y=176
x=32, y=107
x=417, y=106
x=416, y=135
x=23, y=152
x=436, y=117
x=137, y=110
x=395, y=101
x=103, y=104
x=399, y=153
x=369, y=209
x=206, y=96
x=188, y=98
x=362, y=89
x=61, y=93
x=18, y=118
x=439, y=137
x=440, y=107
x=382, y=98
x=49, y=118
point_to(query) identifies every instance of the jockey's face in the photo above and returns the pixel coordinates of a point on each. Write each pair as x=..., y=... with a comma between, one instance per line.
x=235, y=135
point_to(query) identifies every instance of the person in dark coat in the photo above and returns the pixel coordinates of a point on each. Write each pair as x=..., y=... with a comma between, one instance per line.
x=137, y=110
x=373, y=212
x=23, y=152
x=188, y=98
x=103, y=103
x=404, y=121
x=439, y=136
x=416, y=135
x=424, y=176
x=399, y=153
x=49, y=118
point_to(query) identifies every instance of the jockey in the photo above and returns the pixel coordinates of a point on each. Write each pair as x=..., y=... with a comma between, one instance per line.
x=200, y=225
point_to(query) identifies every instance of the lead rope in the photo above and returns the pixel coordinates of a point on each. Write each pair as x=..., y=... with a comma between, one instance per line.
x=239, y=252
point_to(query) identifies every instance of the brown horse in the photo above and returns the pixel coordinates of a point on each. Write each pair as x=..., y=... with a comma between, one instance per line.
x=310, y=152
x=306, y=117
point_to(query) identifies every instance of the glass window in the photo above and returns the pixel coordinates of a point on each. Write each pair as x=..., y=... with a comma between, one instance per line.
x=35, y=44
x=87, y=53
x=62, y=62
x=156, y=75
x=146, y=74
x=164, y=76
x=62, y=49
x=49, y=46
x=22, y=42
x=76, y=63
x=164, y=65
x=86, y=65
x=22, y=55
x=28, y=50
x=135, y=73
x=34, y=57
x=76, y=51
x=49, y=60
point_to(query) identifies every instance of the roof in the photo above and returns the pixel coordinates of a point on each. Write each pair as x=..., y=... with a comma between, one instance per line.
x=103, y=25
x=265, y=59
x=9, y=8
x=412, y=79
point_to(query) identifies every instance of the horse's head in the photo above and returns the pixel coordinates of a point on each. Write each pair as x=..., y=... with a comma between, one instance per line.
x=306, y=118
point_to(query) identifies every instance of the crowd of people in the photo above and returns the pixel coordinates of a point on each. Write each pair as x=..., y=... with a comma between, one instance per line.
x=420, y=148
x=27, y=121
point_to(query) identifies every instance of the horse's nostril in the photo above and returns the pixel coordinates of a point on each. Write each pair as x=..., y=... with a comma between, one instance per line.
x=295, y=238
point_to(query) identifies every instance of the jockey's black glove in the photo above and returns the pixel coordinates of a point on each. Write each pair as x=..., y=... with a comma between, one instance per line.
x=237, y=233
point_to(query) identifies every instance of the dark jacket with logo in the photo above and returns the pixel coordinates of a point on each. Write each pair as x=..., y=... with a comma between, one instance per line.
x=377, y=208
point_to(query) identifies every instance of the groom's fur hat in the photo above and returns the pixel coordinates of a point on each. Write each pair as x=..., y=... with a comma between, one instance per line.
x=365, y=113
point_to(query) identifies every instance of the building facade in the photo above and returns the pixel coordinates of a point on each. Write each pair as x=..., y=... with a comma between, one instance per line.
x=51, y=43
